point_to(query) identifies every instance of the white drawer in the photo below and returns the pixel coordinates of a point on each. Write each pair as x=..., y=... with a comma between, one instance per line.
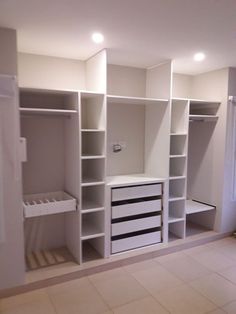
x=135, y=225
x=135, y=242
x=135, y=208
x=131, y=192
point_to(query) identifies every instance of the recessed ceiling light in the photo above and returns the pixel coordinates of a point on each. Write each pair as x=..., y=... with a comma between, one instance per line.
x=97, y=38
x=199, y=56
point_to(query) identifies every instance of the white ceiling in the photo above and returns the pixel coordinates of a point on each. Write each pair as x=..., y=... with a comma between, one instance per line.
x=138, y=33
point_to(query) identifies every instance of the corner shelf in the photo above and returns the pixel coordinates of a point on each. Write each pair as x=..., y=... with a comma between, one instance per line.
x=193, y=207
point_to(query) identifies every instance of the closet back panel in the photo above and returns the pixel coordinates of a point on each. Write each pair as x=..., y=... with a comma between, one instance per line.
x=126, y=123
x=201, y=157
x=126, y=81
x=44, y=169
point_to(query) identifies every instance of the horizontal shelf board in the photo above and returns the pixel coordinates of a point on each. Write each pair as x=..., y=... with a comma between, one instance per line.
x=90, y=94
x=93, y=156
x=92, y=210
x=174, y=198
x=175, y=219
x=48, y=203
x=90, y=205
x=47, y=111
x=91, y=182
x=177, y=177
x=178, y=156
x=193, y=207
x=134, y=100
x=178, y=134
x=92, y=130
x=206, y=118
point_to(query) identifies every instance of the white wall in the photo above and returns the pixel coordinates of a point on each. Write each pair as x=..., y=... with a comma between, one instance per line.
x=51, y=72
x=181, y=85
x=126, y=81
x=12, y=249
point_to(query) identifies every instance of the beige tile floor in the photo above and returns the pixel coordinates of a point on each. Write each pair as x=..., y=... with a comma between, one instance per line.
x=198, y=280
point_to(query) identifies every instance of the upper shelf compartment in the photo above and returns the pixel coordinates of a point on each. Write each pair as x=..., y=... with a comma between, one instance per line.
x=203, y=111
x=93, y=107
x=52, y=102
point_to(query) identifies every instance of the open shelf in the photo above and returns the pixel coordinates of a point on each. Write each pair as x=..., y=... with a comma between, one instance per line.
x=179, y=114
x=48, y=204
x=92, y=249
x=92, y=225
x=178, y=145
x=195, y=229
x=202, y=118
x=93, y=144
x=93, y=198
x=92, y=112
x=177, y=167
x=193, y=207
x=177, y=229
x=93, y=171
x=174, y=219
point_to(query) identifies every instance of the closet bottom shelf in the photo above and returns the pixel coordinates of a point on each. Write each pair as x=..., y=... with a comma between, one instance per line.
x=45, y=258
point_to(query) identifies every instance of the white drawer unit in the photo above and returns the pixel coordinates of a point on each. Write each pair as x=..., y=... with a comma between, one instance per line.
x=133, y=192
x=136, y=216
x=130, y=209
x=129, y=243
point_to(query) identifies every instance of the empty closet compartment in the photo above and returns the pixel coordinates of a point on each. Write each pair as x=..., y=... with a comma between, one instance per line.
x=93, y=198
x=177, y=230
x=93, y=110
x=51, y=172
x=202, y=195
x=93, y=144
x=137, y=136
x=177, y=167
x=204, y=108
x=177, y=188
x=176, y=211
x=93, y=171
x=45, y=248
x=92, y=225
x=178, y=145
x=93, y=249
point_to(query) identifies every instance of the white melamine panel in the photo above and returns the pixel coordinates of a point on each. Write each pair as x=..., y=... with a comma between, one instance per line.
x=92, y=197
x=177, y=209
x=136, y=192
x=182, y=85
x=96, y=72
x=93, y=170
x=177, y=167
x=177, y=188
x=50, y=72
x=159, y=81
x=135, y=225
x=135, y=242
x=130, y=209
x=177, y=230
x=92, y=225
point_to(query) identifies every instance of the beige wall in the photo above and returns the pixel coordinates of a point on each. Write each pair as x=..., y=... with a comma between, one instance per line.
x=50, y=72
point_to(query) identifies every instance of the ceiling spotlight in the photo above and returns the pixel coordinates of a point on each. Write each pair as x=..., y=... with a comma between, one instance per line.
x=98, y=38
x=200, y=56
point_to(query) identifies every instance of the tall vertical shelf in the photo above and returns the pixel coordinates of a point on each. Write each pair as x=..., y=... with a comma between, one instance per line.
x=201, y=203
x=93, y=174
x=178, y=168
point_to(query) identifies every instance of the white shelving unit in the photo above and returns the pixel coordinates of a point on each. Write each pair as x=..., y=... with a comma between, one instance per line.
x=93, y=174
x=178, y=168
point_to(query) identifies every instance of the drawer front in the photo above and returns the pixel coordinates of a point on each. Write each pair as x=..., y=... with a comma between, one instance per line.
x=135, y=242
x=135, y=225
x=135, y=208
x=132, y=192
